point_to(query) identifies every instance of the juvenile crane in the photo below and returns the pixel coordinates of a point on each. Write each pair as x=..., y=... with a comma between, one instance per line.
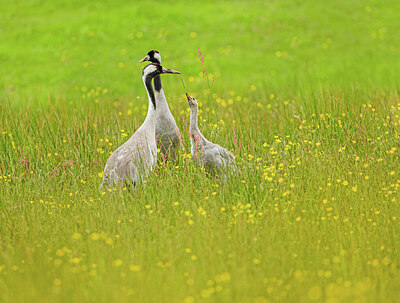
x=213, y=157
x=134, y=159
x=167, y=132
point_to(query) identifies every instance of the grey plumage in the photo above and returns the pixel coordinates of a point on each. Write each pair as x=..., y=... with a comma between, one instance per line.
x=167, y=132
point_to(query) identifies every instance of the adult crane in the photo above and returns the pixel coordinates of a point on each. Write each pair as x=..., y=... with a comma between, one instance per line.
x=167, y=132
x=134, y=159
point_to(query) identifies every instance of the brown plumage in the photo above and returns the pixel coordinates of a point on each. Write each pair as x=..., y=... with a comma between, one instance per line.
x=213, y=157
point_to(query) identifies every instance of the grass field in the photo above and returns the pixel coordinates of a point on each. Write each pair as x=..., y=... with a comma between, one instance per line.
x=305, y=93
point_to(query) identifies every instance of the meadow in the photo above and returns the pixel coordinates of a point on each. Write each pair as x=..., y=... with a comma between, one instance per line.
x=306, y=95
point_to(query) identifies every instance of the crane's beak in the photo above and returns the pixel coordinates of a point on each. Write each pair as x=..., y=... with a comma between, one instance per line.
x=169, y=71
x=147, y=58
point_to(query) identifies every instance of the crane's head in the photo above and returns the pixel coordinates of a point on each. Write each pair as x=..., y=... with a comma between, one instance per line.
x=191, y=101
x=152, y=56
x=153, y=69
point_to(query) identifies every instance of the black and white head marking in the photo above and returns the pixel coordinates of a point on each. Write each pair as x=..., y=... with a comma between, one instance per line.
x=154, y=56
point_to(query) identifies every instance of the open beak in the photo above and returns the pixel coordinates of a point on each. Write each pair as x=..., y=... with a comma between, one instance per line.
x=147, y=58
x=187, y=96
x=169, y=71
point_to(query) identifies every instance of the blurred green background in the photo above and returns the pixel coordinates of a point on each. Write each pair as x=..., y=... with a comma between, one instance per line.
x=285, y=47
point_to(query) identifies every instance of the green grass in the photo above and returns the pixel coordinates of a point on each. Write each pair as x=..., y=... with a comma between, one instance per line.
x=305, y=95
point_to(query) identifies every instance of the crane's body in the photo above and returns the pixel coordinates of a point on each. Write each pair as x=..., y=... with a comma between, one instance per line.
x=136, y=157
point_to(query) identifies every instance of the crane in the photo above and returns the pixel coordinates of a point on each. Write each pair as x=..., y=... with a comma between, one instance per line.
x=134, y=159
x=213, y=157
x=167, y=132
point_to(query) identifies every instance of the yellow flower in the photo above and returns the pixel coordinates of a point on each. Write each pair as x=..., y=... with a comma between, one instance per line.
x=57, y=282
x=95, y=236
x=189, y=299
x=117, y=262
x=60, y=252
x=76, y=236
x=134, y=268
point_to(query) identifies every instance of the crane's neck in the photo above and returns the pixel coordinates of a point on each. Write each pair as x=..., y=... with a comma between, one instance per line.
x=157, y=83
x=151, y=112
x=196, y=137
x=193, y=119
x=157, y=79
x=162, y=104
